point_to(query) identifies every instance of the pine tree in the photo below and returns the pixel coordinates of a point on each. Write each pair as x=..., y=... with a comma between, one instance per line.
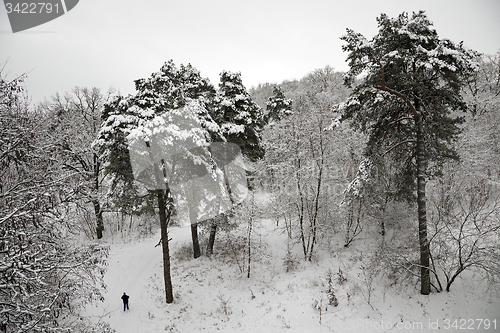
x=405, y=102
x=241, y=121
x=277, y=106
x=167, y=126
x=239, y=117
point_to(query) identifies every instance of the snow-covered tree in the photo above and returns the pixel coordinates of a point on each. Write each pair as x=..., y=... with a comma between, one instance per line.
x=160, y=136
x=241, y=121
x=411, y=83
x=75, y=120
x=171, y=86
x=45, y=276
x=278, y=106
x=307, y=158
x=177, y=85
x=480, y=147
x=239, y=117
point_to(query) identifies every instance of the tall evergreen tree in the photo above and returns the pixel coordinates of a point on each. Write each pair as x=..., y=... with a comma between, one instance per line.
x=171, y=91
x=278, y=106
x=241, y=121
x=158, y=118
x=411, y=86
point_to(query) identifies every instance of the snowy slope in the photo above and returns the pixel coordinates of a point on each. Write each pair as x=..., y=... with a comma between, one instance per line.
x=212, y=295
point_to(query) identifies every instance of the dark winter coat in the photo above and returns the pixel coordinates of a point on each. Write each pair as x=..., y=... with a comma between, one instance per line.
x=125, y=299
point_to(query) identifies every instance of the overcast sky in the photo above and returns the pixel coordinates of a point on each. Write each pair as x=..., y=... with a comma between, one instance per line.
x=110, y=43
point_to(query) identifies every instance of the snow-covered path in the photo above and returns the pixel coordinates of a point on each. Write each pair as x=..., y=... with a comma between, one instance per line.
x=130, y=268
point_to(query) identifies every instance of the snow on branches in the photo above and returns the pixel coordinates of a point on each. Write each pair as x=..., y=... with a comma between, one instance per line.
x=167, y=131
x=278, y=106
x=240, y=119
x=355, y=189
x=404, y=39
x=45, y=278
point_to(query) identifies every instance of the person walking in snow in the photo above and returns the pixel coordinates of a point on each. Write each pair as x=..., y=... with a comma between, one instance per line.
x=125, y=301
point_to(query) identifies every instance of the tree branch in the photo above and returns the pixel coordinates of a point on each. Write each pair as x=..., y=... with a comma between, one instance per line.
x=400, y=95
x=399, y=144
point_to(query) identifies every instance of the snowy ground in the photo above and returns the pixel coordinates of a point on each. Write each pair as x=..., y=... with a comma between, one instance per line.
x=212, y=295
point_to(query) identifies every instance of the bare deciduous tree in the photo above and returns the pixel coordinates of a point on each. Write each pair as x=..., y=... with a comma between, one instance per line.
x=465, y=225
x=75, y=120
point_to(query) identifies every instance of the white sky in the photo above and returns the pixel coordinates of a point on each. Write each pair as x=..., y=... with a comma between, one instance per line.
x=108, y=43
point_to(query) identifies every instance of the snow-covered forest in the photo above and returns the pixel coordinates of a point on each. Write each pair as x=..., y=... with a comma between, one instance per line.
x=364, y=201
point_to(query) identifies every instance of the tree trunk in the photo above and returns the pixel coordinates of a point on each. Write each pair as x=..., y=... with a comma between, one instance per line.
x=193, y=219
x=249, y=244
x=216, y=219
x=382, y=213
x=162, y=195
x=194, y=237
x=98, y=215
x=211, y=237
x=350, y=218
x=421, y=203
x=318, y=193
x=164, y=217
x=194, y=227
x=213, y=228
x=95, y=202
x=301, y=212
